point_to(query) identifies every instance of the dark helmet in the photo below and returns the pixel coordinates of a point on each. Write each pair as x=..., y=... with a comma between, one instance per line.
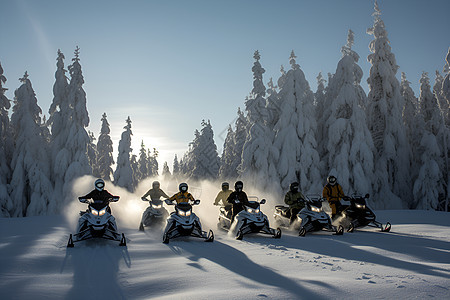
x=331, y=180
x=155, y=184
x=294, y=187
x=225, y=186
x=183, y=187
x=238, y=186
x=99, y=184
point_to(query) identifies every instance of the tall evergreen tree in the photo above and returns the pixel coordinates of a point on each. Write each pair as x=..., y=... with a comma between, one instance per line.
x=60, y=113
x=446, y=88
x=412, y=126
x=166, y=172
x=123, y=175
x=257, y=147
x=6, y=205
x=75, y=152
x=349, y=145
x=92, y=152
x=176, y=167
x=227, y=158
x=153, y=165
x=295, y=132
x=143, y=171
x=105, y=151
x=205, y=157
x=430, y=182
x=31, y=187
x=240, y=135
x=392, y=181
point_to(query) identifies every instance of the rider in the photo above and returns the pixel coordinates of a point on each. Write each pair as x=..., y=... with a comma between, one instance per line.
x=182, y=195
x=332, y=191
x=238, y=198
x=223, y=195
x=155, y=192
x=99, y=194
x=294, y=198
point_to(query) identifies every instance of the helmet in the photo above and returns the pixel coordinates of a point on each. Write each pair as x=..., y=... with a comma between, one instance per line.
x=99, y=184
x=183, y=187
x=225, y=186
x=294, y=187
x=331, y=180
x=238, y=186
x=155, y=184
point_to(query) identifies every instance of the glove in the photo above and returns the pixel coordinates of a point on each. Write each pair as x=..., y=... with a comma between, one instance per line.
x=82, y=200
x=237, y=201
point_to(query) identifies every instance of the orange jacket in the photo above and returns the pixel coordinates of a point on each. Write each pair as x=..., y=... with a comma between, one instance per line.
x=182, y=197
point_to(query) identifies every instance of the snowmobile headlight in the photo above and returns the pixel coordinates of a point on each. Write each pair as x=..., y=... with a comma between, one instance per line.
x=253, y=210
x=157, y=206
x=316, y=209
x=94, y=211
x=188, y=213
x=361, y=206
x=102, y=212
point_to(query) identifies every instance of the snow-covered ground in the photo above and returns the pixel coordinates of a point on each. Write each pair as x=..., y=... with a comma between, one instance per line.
x=412, y=261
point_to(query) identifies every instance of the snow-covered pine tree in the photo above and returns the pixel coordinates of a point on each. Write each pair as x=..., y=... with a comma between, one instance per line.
x=295, y=132
x=6, y=205
x=412, y=126
x=105, y=150
x=176, y=167
x=123, y=175
x=135, y=167
x=153, y=165
x=59, y=118
x=143, y=171
x=254, y=166
x=392, y=185
x=92, y=151
x=166, y=172
x=349, y=146
x=78, y=141
x=445, y=93
x=240, y=135
x=30, y=187
x=205, y=157
x=430, y=182
x=320, y=99
x=446, y=88
x=226, y=161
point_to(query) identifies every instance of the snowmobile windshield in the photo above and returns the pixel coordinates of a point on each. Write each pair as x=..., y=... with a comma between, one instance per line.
x=316, y=203
x=99, y=205
x=252, y=204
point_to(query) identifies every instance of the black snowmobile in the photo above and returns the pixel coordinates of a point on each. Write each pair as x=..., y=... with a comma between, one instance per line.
x=358, y=214
x=183, y=222
x=313, y=218
x=155, y=215
x=252, y=220
x=97, y=222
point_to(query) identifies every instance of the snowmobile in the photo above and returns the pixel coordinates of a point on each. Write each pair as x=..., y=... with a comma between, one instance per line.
x=183, y=222
x=97, y=222
x=224, y=218
x=282, y=215
x=313, y=218
x=358, y=214
x=252, y=220
x=154, y=215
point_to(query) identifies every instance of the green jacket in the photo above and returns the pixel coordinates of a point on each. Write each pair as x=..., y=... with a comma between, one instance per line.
x=294, y=200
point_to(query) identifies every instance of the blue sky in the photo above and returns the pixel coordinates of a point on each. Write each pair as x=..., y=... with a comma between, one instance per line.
x=170, y=64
